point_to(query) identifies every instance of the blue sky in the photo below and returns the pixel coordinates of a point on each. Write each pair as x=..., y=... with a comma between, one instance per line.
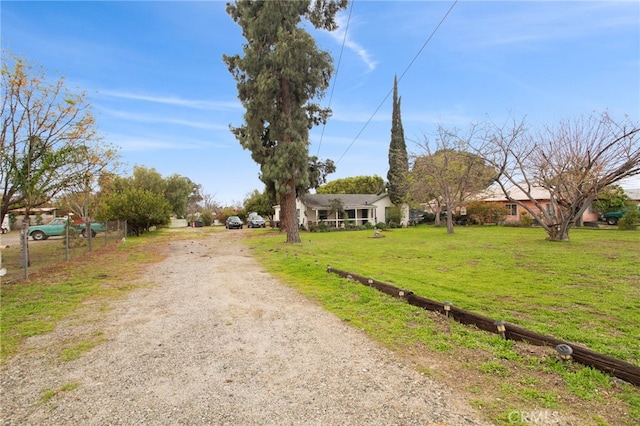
x=154, y=74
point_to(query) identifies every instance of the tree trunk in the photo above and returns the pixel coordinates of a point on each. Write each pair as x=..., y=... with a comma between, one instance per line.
x=449, y=221
x=558, y=232
x=437, y=216
x=87, y=233
x=25, y=261
x=288, y=218
x=585, y=205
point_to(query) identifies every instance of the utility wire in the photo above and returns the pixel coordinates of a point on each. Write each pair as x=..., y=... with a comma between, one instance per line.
x=401, y=75
x=335, y=76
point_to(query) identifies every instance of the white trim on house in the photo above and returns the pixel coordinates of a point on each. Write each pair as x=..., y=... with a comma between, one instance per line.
x=313, y=209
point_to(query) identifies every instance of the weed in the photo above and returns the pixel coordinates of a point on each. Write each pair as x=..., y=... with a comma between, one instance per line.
x=495, y=368
x=81, y=347
x=49, y=394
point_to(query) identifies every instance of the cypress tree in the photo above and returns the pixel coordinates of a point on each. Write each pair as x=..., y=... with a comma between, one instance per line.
x=398, y=159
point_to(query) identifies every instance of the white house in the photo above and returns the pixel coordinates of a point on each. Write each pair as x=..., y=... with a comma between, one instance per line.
x=313, y=209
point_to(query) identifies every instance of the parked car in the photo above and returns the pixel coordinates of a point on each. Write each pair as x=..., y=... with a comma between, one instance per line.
x=233, y=222
x=256, y=221
x=57, y=227
x=612, y=217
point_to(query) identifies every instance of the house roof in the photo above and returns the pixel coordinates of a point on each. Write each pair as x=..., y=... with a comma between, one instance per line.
x=34, y=210
x=349, y=201
x=633, y=193
x=496, y=194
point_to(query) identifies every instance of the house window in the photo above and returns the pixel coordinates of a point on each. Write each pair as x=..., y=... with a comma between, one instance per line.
x=351, y=214
x=323, y=214
x=512, y=209
x=550, y=208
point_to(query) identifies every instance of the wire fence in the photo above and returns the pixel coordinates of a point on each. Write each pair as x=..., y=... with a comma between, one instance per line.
x=54, y=250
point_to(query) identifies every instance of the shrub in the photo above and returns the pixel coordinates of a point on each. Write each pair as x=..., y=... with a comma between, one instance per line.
x=394, y=216
x=74, y=239
x=206, y=217
x=629, y=220
x=526, y=220
x=482, y=212
x=225, y=213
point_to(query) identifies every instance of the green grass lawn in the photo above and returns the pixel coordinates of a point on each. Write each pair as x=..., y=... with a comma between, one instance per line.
x=585, y=291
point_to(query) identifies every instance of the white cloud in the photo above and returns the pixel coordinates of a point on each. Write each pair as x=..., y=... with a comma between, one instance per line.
x=127, y=143
x=175, y=101
x=160, y=118
x=343, y=35
x=522, y=24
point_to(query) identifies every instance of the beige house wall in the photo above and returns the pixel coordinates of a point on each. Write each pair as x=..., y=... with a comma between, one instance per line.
x=372, y=213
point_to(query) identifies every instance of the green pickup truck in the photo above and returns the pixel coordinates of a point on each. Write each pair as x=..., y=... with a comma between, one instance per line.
x=612, y=218
x=57, y=227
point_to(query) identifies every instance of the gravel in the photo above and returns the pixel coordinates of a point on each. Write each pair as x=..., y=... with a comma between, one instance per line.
x=217, y=341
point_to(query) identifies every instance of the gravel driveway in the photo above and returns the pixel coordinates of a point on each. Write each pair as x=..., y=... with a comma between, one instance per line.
x=220, y=342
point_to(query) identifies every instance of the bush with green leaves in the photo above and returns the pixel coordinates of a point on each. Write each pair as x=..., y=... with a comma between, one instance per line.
x=526, y=220
x=226, y=212
x=482, y=212
x=206, y=217
x=629, y=220
x=394, y=216
x=141, y=208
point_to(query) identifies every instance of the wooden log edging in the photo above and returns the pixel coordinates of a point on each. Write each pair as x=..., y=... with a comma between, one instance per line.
x=608, y=364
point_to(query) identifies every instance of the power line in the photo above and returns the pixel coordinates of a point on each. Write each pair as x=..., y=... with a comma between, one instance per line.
x=401, y=75
x=335, y=76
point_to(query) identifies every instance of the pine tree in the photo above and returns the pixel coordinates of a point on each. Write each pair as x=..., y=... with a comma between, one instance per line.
x=398, y=159
x=280, y=75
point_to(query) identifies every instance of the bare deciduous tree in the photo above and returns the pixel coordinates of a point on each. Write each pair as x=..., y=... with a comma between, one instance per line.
x=447, y=175
x=573, y=161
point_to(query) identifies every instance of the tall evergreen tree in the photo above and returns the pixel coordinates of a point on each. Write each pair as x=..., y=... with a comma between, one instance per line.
x=398, y=159
x=279, y=77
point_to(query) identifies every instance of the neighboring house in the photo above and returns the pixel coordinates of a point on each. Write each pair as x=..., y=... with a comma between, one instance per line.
x=38, y=215
x=633, y=194
x=313, y=209
x=515, y=211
